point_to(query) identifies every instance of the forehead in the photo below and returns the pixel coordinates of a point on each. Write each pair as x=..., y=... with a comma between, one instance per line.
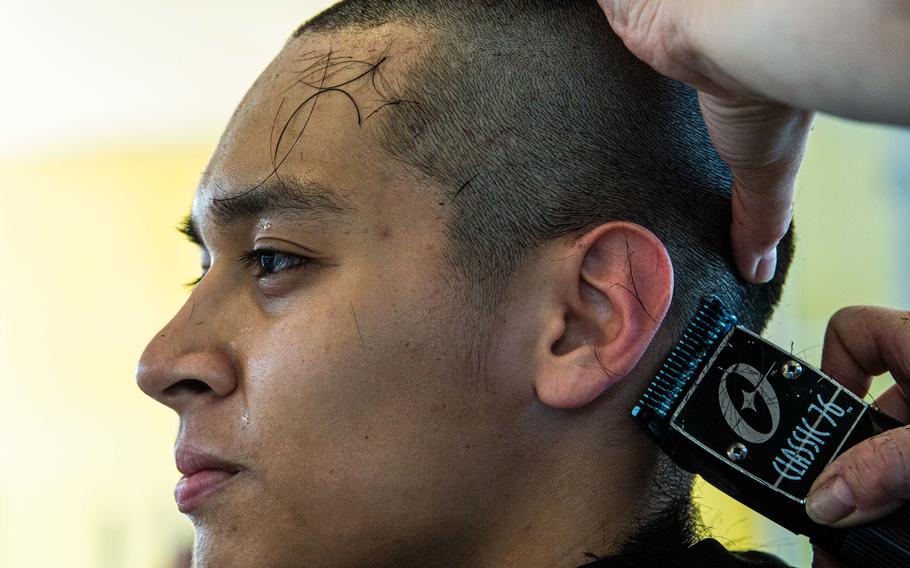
x=312, y=117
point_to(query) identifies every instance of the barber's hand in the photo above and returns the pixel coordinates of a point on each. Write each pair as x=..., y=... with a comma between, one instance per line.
x=871, y=479
x=763, y=142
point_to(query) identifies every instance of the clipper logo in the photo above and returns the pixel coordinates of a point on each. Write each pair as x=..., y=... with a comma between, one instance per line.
x=806, y=441
x=761, y=389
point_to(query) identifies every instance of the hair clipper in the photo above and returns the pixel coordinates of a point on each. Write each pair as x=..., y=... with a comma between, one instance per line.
x=760, y=425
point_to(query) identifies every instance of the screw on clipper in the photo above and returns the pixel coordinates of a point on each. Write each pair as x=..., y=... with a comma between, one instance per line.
x=737, y=452
x=791, y=370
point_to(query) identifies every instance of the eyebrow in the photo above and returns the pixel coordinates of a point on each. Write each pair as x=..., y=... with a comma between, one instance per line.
x=303, y=200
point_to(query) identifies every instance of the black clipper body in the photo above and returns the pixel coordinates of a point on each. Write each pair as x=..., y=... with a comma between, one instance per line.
x=760, y=424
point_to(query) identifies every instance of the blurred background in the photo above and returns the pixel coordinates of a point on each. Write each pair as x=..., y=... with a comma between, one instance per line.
x=108, y=114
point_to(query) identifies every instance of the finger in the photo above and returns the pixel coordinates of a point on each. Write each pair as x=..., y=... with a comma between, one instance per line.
x=764, y=175
x=659, y=33
x=617, y=13
x=873, y=478
x=865, y=483
x=763, y=143
x=609, y=7
x=760, y=221
x=864, y=341
x=895, y=403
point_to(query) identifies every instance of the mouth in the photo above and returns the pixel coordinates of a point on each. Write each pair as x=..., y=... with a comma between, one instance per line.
x=203, y=475
x=192, y=490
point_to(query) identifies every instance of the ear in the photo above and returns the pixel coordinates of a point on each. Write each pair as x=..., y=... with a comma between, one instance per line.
x=611, y=296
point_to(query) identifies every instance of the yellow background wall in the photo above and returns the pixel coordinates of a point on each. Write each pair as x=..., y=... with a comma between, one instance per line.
x=93, y=265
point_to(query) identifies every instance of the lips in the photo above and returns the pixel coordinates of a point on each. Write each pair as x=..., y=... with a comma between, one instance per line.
x=203, y=474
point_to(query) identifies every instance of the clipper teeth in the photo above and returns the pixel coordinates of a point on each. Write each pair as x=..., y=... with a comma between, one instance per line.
x=711, y=321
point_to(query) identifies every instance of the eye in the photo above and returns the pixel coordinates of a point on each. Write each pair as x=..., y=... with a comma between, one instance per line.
x=206, y=262
x=192, y=283
x=269, y=261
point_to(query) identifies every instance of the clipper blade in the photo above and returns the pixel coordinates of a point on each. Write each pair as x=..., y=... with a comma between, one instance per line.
x=710, y=324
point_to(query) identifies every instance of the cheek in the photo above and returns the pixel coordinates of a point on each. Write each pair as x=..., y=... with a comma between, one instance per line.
x=343, y=386
x=366, y=422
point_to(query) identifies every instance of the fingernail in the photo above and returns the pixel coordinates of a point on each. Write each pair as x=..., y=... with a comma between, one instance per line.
x=764, y=270
x=831, y=502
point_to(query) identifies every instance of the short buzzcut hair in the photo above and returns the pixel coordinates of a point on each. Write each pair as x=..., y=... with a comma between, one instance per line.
x=537, y=122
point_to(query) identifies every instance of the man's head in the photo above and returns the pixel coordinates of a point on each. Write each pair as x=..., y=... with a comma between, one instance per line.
x=441, y=241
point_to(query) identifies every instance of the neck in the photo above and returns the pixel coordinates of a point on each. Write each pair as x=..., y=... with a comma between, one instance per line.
x=585, y=502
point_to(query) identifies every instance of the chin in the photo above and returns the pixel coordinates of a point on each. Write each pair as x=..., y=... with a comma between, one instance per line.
x=228, y=538
x=250, y=537
x=232, y=531
x=221, y=549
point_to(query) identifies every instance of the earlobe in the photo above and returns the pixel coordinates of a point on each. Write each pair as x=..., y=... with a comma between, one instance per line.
x=616, y=297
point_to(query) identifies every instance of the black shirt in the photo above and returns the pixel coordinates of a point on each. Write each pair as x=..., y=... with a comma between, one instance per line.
x=707, y=553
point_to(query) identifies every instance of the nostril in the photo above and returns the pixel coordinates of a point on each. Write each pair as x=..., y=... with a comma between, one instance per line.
x=192, y=386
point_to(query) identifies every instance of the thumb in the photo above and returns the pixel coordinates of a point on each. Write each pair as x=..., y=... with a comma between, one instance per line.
x=864, y=484
x=763, y=142
x=761, y=218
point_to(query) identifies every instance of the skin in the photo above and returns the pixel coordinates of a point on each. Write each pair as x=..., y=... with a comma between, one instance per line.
x=751, y=90
x=761, y=140
x=378, y=420
x=757, y=95
x=862, y=342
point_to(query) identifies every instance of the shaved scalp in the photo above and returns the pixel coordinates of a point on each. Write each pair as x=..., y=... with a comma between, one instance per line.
x=537, y=123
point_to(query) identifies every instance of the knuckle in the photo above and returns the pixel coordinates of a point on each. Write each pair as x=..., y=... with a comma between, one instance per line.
x=652, y=34
x=772, y=236
x=878, y=469
x=893, y=462
x=759, y=222
x=760, y=234
x=845, y=315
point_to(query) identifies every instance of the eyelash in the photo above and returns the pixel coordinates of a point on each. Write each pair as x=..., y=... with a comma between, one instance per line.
x=254, y=259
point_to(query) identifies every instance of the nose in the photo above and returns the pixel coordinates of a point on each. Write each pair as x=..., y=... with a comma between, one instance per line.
x=189, y=361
